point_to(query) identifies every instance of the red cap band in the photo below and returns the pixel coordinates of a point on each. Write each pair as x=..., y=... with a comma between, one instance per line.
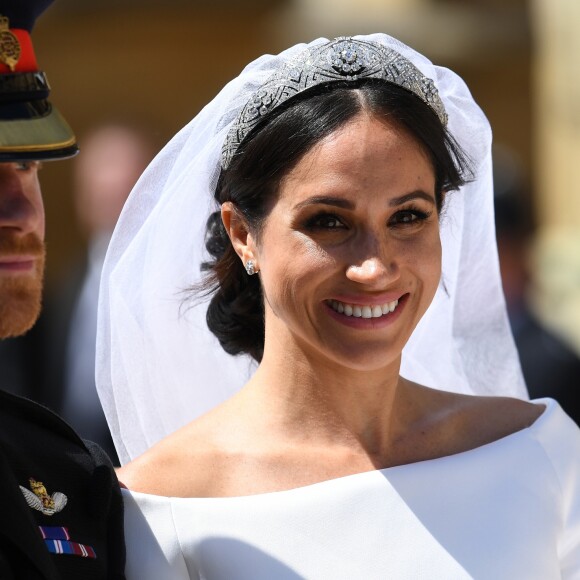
x=27, y=61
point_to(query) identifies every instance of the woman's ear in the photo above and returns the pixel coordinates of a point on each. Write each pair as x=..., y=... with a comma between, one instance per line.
x=239, y=233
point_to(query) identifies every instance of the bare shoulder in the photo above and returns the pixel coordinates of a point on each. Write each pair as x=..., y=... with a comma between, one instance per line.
x=181, y=465
x=458, y=423
x=487, y=419
x=508, y=410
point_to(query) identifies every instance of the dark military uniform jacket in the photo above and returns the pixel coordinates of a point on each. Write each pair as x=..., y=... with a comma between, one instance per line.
x=61, y=513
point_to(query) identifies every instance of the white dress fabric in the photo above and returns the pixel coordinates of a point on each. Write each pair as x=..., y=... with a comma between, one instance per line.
x=507, y=510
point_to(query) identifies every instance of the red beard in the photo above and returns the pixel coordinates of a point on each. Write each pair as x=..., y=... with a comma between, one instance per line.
x=20, y=293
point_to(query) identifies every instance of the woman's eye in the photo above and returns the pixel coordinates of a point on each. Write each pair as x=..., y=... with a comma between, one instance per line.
x=325, y=221
x=408, y=217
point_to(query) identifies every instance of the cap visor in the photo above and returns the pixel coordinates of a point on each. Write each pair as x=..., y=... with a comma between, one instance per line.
x=42, y=138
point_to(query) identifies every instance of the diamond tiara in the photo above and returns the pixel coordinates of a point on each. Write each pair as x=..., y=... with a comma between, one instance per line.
x=341, y=59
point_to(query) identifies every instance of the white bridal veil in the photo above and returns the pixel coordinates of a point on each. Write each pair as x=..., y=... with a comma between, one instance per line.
x=159, y=367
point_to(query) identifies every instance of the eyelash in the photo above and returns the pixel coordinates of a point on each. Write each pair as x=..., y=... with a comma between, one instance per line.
x=416, y=214
x=397, y=220
x=314, y=222
x=27, y=165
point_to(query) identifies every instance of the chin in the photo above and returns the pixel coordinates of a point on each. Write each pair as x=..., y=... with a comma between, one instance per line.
x=20, y=304
x=20, y=317
x=364, y=352
x=363, y=356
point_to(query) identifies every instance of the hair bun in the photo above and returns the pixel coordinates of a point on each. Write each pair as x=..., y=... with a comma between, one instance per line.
x=216, y=237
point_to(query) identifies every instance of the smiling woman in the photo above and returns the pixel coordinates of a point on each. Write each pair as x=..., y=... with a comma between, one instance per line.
x=386, y=410
x=266, y=159
x=369, y=236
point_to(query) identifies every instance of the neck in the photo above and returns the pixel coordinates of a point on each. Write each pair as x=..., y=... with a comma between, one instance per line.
x=307, y=397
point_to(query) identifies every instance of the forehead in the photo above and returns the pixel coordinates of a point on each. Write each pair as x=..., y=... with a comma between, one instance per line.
x=368, y=153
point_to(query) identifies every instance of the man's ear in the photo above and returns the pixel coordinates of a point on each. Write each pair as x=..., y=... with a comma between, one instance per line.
x=239, y=233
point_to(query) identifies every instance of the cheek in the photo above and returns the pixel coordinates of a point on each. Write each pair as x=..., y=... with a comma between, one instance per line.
x=431, y=265
x=423, y=256
x=291, y=269
x=38, y=204
x=42, y=224
x=432, y=251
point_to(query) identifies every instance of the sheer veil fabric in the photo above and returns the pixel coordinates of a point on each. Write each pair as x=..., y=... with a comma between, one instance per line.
x=159, y=367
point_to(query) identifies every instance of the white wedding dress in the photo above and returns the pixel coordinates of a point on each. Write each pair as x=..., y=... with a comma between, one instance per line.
x=507, y=510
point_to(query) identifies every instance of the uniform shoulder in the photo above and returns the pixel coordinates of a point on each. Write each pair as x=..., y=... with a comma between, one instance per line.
x=23, y=414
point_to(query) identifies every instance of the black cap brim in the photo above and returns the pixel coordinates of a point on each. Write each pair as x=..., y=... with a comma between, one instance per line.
x=38, y=138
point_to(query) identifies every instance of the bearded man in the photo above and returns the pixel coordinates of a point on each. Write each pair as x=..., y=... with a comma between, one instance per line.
x=62, y=510
x=21, y=247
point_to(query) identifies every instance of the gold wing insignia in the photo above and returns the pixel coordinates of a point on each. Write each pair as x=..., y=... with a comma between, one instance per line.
x=59, y=501
x=39, y=499
x=31, y=499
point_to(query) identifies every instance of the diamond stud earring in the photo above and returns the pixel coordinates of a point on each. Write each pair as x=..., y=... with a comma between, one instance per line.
x=250, y=269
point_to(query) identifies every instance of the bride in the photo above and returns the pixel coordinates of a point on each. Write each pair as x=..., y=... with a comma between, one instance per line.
x=382, y=430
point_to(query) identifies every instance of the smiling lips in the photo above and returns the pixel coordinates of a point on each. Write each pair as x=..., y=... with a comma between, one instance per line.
x=363, y=311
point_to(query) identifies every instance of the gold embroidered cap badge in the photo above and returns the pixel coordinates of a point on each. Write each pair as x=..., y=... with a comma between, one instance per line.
x=10, y=49
x=39, y=499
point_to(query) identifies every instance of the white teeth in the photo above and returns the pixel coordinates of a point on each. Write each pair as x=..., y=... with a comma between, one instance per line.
x=377, y=311
x=358, y=311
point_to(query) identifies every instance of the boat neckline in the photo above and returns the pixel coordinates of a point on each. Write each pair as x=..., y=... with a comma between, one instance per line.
x=548, y=403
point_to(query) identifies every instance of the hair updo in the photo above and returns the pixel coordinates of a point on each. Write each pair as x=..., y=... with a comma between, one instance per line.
x=236, y=311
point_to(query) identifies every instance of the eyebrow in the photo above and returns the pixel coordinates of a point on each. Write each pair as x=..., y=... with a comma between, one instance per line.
x=347, y=204
x=325, y=200
x=418, y=194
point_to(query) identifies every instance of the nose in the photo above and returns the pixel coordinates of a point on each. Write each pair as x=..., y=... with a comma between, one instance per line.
x=373, y=271
x=375, y=266
x=18, y=211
